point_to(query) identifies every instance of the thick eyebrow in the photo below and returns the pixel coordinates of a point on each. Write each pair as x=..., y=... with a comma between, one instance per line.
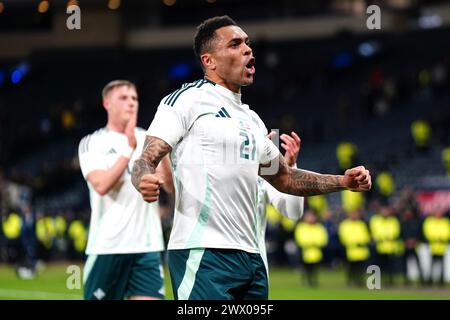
x=239, y=40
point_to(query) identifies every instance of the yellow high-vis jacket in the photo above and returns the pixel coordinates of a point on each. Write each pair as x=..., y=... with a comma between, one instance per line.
x=437, y=233
x=79, y=235
x=12, y=226
x=354, y=236
x=311, y=238
x=386, y=234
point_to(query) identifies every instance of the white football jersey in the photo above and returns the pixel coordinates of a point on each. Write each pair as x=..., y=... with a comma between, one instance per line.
x=217, y=145
x=121, y=221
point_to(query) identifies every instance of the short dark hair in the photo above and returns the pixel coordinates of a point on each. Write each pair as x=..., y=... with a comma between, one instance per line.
x=206, y=32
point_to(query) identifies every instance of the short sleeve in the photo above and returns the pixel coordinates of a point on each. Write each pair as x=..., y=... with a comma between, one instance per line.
x=90, y=159
x=169, y=125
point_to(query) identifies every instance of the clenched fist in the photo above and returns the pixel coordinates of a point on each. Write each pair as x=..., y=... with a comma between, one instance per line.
x=357, y=179
x=149, y=187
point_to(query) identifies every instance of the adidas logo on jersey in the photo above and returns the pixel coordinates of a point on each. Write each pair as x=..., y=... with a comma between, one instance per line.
x=112, y=151
x=223, y=113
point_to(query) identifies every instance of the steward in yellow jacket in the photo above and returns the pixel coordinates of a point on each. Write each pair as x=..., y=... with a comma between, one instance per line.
x=436, y=230
x=354, y=236
x=385, y=230
x=311, y=236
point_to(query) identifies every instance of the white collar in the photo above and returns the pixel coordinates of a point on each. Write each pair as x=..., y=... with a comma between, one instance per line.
x=236, y=97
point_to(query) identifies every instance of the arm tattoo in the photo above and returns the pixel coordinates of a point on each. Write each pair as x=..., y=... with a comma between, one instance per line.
x=307, y=183
x=302, y=182
x=154, y=150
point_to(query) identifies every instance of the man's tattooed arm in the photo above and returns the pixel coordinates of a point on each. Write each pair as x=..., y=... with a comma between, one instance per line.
x=154, y=150
x=302, y=182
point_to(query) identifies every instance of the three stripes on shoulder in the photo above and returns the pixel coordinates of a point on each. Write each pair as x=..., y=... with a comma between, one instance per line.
x=172, y=98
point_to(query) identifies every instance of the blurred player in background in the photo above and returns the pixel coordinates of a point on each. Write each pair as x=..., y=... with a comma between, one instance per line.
x=288, y=205
x=125, y=236
x=218, y=147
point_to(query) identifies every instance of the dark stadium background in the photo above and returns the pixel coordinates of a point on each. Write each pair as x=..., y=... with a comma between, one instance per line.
x=320, y=72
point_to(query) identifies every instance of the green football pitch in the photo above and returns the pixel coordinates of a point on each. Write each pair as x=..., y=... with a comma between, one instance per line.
x=285, y=284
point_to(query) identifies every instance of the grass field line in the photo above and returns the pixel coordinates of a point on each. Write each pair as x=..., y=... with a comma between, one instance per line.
x=25, y=294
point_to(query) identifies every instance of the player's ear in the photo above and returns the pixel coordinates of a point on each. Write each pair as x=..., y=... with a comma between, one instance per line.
x=106, y=103
x=208, y=61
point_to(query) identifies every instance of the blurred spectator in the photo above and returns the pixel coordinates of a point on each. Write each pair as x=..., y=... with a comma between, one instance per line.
x=28, y=241
x=332, y=251
x=352, y=201
x=311, y=237
x=411, y=234
x=318, y=204
x=408, y=201
x=287, y=238
x=273, y=225
x=385, y=230
x=436, y=230
x=78, y=235
x=45, y=233
x=385, y=185
x=424, y=82
x=354, y=236
x=346, y=154
x=446, y=160
x=15, y=194
x=421, y=133
x=12, y=227
x=61, y=235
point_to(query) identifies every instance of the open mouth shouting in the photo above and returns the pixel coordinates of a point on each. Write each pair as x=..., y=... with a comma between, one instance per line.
x=250, y=66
